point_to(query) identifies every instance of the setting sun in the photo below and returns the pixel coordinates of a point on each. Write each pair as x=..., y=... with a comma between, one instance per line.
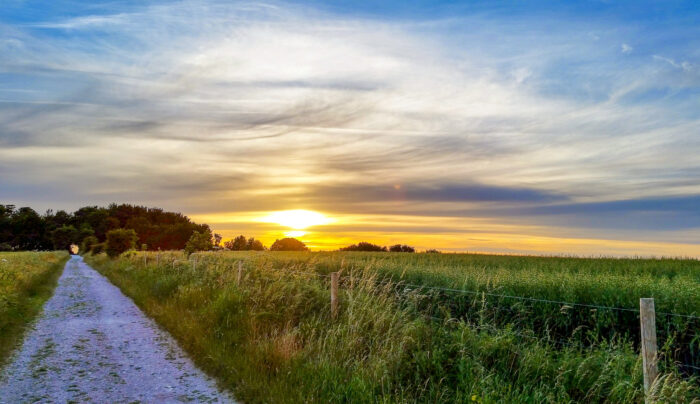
x=297, y=219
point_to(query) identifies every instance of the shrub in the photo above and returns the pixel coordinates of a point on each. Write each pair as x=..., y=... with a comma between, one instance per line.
x=199, y=241
x=288, y=244
x=363, y=246
x=401, y=248
x=88, y=242
x=119, y=241
x=97, y=248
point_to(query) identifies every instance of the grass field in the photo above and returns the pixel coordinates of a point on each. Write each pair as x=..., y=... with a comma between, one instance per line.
x=271, y=338
x=26, y=282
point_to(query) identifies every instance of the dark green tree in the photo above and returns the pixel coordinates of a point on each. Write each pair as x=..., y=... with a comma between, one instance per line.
x=120, y=241
x=199, y=241
x=64, y=236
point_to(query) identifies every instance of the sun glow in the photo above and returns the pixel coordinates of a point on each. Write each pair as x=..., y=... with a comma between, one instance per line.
x=297, y=219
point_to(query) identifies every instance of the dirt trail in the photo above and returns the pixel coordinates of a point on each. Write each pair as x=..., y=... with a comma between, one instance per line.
x=92, y=344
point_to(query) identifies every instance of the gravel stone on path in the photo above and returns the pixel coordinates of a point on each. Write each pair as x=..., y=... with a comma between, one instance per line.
x=92, y=344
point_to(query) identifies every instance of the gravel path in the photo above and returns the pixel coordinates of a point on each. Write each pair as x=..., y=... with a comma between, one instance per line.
x=92, y=344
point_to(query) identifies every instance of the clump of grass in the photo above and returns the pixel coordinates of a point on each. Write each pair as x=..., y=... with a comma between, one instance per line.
x=272, y=339
x=26, y=282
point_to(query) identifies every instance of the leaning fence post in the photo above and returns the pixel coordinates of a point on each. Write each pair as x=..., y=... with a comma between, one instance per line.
x=647, y=319
x=334, y=294
x=240, y=273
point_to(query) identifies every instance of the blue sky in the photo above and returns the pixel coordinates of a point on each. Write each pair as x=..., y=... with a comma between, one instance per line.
x=546, y=121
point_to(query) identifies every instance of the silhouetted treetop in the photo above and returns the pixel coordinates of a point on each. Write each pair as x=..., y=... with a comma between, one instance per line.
x=363, y=246
x=288, y=244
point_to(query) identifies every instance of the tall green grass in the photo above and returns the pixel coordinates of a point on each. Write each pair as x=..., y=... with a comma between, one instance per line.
x=271, y=338
x=27, y=280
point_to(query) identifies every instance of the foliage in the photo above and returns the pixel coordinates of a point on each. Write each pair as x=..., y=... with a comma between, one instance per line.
x=288, y=244
x=26, y=281
x=200, y=241
x=271, y=338
x=237, y=244
x=401, y=248
x=24, y=229
x=254, y=245
x=88, y=242
x=98, y=248
x=120, y=241
x=363, y=246
x=64, y=236
x=241, y=244
x=432, y=251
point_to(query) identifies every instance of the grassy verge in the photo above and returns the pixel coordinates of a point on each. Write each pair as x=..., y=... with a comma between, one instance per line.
x=271, y=339
x=27, y=280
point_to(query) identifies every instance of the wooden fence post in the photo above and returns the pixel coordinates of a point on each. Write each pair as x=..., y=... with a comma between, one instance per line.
x=334, y=294
x=240, y=273
x=647, y=318
x=194, y=263
x=144, y=259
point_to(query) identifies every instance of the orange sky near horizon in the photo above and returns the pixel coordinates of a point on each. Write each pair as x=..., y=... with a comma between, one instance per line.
x=455, y=235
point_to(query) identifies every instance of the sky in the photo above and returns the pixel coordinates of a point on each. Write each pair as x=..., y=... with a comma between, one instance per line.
x=567, y=128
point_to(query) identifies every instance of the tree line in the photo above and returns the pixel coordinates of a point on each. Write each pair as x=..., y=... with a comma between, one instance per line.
x=154, y=229
x=117, y=228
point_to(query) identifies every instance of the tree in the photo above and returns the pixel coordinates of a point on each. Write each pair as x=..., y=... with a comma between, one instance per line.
x=401, y=248
x=432, y=251
x=120, y=241
x=27, y=229
x=64, y=236
x=254, y=245
x=237, y=244
x=363, y=246
x=200, y=241
x=217, y=239
x=288, y=244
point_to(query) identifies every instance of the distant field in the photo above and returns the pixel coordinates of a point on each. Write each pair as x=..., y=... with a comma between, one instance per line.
x=26, y=282
x=399, y=339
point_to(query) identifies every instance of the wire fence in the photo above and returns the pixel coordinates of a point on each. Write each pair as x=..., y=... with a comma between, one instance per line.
x=402, y=286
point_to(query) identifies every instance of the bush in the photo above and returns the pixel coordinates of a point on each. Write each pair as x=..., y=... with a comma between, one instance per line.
x=401, y=248
x=5, y=247
x=199, y=241
x=98, y=248
x=363, y=246
x=288, y=244
x=119, y=241
x=88, y=242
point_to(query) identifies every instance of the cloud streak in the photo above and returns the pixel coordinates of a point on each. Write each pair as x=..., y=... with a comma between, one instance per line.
x=226, y=106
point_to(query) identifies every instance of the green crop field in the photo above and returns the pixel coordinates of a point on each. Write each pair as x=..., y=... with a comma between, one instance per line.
x=26, y=282
x=422, y=327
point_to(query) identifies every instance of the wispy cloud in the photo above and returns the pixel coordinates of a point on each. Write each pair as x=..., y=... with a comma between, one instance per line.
x=220, y=106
